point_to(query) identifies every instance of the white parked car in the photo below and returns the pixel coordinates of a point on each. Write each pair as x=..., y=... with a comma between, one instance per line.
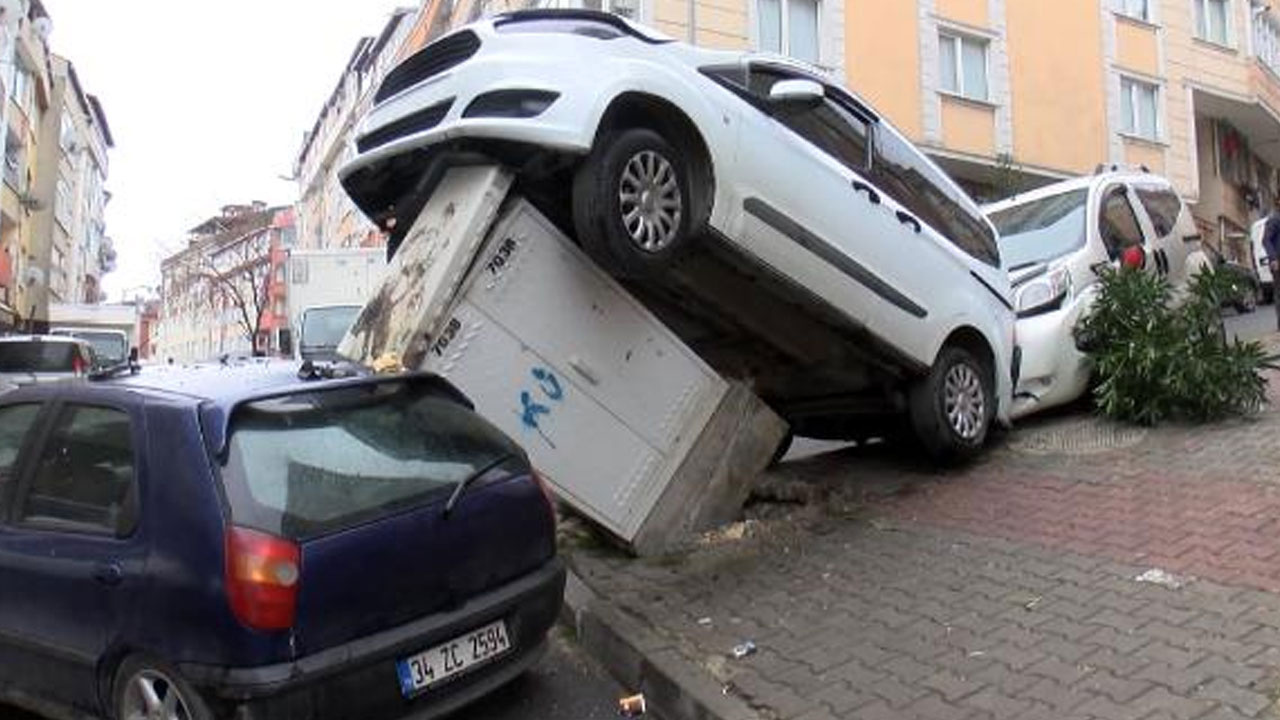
x=1054, y=239
x=784, y=229
x=1262, y=261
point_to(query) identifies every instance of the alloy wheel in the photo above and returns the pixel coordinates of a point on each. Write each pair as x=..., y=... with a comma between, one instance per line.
x=649, y=201
x=964, y=401
x=151, y=695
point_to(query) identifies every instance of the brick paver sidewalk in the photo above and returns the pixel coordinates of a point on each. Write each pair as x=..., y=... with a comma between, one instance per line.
x=1004, y=591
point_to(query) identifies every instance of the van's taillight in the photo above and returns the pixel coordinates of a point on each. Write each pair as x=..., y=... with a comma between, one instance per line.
x=546, y=494
x=262, y=578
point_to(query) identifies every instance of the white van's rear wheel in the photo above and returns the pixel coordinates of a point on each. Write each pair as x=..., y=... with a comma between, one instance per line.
x=952, y=407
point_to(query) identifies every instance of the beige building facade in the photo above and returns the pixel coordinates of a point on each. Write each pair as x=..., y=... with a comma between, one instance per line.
x=1008, y=94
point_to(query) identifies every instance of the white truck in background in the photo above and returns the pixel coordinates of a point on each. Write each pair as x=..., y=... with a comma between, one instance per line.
x=111, y=328
x=325, y=291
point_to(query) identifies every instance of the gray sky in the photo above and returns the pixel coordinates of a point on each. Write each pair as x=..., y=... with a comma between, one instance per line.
x=207, y=102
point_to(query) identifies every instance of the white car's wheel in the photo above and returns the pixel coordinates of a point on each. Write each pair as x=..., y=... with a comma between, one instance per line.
x=632, y=202
x=952, y=407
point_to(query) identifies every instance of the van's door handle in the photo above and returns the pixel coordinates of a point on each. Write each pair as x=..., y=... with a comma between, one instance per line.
x=108, y=573
x=905, y=218
x=872, y=195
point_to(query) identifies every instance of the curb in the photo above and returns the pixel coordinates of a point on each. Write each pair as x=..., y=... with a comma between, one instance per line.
x=673, y=687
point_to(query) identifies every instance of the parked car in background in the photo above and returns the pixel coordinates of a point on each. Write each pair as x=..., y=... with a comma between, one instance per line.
x=1261, y=260
x=1248, y=287
x=27, y=359
x=110, y=347
x=232, y=541
x=781, y=225
x=1053, y=240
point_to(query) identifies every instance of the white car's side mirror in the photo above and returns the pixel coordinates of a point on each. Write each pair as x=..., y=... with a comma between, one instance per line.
x=799, y=91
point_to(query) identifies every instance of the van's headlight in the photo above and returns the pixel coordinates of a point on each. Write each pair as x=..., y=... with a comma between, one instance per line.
x=1044, y=293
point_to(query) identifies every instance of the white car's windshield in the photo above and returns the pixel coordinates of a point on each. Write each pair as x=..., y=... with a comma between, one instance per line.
x=1041, y=230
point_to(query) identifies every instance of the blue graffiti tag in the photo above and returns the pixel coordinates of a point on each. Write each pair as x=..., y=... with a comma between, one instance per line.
x=530, y=410
x=549, y=383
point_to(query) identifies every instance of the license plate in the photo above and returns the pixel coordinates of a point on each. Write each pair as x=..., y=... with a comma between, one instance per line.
x=434, y=665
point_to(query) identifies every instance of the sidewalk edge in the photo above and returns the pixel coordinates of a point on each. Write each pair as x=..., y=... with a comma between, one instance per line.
x=674, y=688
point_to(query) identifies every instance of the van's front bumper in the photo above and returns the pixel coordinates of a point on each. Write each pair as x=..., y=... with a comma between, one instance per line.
x=359, y=680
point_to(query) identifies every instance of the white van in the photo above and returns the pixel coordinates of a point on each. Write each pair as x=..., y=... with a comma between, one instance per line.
x=1052, y=240
x=1260, y=260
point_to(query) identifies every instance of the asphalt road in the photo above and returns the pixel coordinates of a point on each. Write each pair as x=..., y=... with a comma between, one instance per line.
x=1254, y=325
x=565, y=684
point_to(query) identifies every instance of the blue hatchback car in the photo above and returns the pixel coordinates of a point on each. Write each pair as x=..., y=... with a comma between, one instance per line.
x=214, y=542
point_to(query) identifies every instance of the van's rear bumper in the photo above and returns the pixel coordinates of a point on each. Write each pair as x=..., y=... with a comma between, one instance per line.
x=359, y=679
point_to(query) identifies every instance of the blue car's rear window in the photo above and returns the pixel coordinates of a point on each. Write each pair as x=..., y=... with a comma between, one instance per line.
x=311, y=463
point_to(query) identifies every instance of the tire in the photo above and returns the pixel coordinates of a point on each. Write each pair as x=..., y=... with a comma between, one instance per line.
x=127, y=694
x=632, y=206
x=1249, y=301
x=956, y=377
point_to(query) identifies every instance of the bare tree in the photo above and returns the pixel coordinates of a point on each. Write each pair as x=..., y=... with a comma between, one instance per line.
x=236, y=276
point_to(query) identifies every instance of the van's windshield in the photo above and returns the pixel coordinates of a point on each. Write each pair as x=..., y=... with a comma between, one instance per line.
x=1037, y=231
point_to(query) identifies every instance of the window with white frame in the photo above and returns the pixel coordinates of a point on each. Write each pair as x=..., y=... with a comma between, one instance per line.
x=1266, y=41
x=789, y=27
x=963, y=64
x=1139, y=9
x=1213, y=20
x=1139, y=108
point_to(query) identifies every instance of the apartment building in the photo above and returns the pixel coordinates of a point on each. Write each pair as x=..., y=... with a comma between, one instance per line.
x=55, y=139
x=326, y=216
x=224, y=292
x=1009, y=94
x=69, y=235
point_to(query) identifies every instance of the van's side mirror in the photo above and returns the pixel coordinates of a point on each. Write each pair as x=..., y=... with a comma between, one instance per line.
x=796, y=92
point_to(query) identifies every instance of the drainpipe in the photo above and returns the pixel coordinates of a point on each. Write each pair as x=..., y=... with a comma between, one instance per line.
x=693, y=22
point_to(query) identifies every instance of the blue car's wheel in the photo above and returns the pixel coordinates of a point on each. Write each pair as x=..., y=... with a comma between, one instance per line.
x=146, y=689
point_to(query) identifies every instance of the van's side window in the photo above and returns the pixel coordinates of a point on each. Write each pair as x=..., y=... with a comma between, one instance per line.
x=923, y=190
x=1117, y=223
x=1163, y=207
x=828, y=124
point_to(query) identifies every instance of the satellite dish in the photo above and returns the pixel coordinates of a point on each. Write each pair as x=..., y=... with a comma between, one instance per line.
x=10, y=12
x=43, y=26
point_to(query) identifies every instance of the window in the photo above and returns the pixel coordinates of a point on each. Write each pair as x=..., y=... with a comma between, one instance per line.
x=1138, y=108
x=963, y=63
x=1139, y=9
x=83, y=477
x=16, y=422
x=831, y=126
x=1266, y=41
x=927, y=193
x=62, y=203
x=307, y=464
x=14, y=155
x=1213, y=21
x=67, y=134
x=789, y=27
x=1118, y=224
x=1163, y=207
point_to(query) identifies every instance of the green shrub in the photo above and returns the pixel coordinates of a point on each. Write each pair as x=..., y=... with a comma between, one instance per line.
x=1156, y=359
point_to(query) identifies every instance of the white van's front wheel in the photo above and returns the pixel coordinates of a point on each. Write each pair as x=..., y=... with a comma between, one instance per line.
x=952, y=407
